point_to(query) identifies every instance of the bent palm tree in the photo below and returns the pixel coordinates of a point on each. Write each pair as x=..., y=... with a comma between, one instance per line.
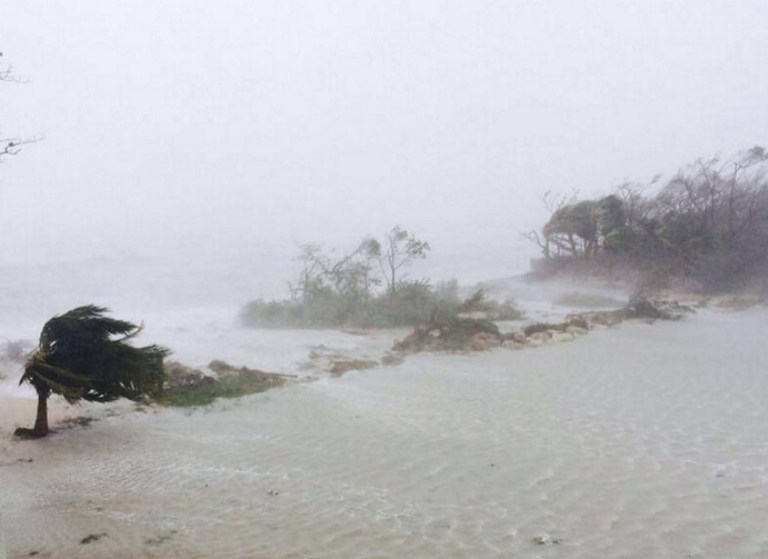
x=84, y=355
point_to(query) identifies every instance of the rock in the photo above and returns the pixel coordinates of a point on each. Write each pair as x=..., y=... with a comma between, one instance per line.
x=512, y=344
x=577, y=321
x=519, y=337
x=543, y=336
x=663, y=309
x=562, y=337
x=576, y=330
x=484, y=341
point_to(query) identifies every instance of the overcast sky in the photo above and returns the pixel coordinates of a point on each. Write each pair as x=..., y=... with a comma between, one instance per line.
x=201, y=126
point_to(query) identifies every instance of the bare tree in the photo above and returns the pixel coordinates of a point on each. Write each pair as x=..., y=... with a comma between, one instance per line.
x=313, y=266
x=553, y=203
x=399, y=250
x=10, y=145
x=349, y=274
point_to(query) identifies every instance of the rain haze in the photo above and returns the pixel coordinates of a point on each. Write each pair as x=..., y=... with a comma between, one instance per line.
x=196, y=129
x=182, y=152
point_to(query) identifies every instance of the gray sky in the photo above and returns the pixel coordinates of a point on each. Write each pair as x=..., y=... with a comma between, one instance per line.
x=199, y=126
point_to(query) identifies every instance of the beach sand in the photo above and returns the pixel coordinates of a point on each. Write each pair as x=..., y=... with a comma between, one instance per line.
x=637, y=441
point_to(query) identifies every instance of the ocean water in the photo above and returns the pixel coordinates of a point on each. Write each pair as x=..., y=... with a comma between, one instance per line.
x=637, y=441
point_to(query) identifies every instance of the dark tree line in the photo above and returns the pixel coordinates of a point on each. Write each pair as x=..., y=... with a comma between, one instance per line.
x=708, y=223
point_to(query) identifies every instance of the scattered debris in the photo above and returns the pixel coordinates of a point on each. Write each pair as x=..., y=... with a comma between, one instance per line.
x=93, y=538
x=545, y=539
x=79, y=421
x=162, y=538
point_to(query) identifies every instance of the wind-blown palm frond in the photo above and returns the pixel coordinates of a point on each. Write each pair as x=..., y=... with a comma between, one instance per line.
x=85, y=355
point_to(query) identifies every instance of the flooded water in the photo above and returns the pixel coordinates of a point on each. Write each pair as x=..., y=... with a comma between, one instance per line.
x=638, y=441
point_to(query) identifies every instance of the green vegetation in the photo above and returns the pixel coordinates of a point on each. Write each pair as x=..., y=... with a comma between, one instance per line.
x=187, y=387
x=706, y=227
x=84, y=355
x=204, y=393
x=342, y=292
x=411, y=303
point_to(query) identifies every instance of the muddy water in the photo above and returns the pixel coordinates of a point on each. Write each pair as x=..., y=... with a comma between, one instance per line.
x=640, y=441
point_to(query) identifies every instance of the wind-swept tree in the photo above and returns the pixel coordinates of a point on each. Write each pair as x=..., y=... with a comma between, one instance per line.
x=84, y=355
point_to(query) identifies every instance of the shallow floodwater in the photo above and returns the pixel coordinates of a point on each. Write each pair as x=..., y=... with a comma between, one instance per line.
x=638, y=441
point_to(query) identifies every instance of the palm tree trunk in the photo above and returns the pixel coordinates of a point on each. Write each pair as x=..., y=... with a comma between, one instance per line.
x=41, y=422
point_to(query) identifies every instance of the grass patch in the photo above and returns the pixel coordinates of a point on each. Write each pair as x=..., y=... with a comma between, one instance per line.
x=205, y=393
x=195, y=389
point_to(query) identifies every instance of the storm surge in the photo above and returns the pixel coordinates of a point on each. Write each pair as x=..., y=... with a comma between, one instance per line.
x=641, y=440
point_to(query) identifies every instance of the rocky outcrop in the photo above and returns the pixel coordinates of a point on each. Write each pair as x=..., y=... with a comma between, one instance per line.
x=451, y=334
x=655, y=309
x=467, y=334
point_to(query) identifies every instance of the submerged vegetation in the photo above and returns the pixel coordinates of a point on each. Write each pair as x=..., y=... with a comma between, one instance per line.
x=345, y=291
x=707, y=228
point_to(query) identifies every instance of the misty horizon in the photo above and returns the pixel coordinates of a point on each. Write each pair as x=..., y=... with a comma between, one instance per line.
x=193, y=130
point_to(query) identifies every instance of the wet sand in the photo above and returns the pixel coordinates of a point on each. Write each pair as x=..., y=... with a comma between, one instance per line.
x=638, y=441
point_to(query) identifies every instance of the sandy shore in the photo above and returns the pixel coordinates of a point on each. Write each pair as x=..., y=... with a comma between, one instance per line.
x=18, y=406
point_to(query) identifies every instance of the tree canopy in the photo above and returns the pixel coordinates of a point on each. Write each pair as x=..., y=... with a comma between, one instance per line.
x=709, y=223
x=84, y=354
